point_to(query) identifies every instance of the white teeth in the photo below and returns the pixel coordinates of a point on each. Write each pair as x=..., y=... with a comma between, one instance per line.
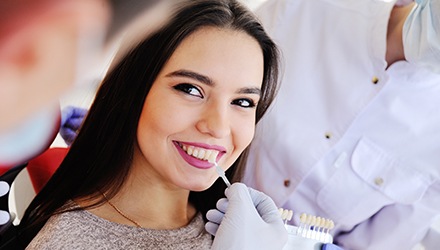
x=190, y=150
x=200, y=153
x=207, y=154
x=196, y=153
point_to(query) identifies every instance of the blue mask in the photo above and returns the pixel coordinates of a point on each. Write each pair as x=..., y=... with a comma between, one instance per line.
x=29, y=138
x=421, y=35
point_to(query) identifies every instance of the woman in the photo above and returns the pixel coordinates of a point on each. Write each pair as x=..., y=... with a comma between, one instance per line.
x=138, y=176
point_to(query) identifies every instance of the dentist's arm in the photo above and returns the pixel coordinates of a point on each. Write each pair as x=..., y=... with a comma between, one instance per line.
x=246, y=219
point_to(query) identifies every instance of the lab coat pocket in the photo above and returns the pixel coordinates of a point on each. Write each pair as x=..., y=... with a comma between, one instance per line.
x=388, y=175
x=372, y=180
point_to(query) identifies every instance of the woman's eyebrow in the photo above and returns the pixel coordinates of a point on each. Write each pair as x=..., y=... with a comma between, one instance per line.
x=246, y=90
x=191, y=74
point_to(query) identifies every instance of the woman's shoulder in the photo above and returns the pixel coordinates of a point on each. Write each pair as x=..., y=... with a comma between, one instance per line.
x=81, y=229
x=68, y=228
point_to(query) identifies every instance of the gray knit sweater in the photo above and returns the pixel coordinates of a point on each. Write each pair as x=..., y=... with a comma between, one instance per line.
x=84, y=230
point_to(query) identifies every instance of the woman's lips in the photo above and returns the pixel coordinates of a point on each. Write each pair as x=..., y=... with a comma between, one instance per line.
x=198, y=155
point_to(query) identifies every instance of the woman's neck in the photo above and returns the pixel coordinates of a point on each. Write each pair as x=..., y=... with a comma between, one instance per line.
x=155, y=206
x=395, y=51
x=147, y=201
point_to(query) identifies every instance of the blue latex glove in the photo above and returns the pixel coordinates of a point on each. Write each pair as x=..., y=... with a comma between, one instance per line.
x=71, y=120
x=246, y=219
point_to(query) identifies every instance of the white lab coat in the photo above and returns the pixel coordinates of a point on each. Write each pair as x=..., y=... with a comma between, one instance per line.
x=346, y=138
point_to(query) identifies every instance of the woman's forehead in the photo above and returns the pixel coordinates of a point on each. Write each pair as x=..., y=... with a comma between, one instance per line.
x=219, y=52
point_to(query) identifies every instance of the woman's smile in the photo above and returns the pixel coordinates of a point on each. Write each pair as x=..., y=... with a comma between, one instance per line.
x=199, y=154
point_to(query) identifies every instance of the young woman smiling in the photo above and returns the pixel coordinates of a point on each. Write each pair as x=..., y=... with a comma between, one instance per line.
x=137, y=175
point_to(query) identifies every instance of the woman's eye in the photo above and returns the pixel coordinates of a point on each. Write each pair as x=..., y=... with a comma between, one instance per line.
x=245, y=103
x=189, y=89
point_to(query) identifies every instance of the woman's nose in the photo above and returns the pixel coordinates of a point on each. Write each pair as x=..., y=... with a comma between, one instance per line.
x=215, y=121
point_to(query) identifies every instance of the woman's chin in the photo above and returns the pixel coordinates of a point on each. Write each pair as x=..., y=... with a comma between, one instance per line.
x=198, y=187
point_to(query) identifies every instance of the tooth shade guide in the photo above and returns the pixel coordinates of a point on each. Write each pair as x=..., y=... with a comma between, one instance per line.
x=311, y=227
x=212, y=158
x=286, y=215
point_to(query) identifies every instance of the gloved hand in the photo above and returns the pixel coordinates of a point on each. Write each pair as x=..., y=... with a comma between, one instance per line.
x=246, y=219
x=71, y=120
x=331, y=247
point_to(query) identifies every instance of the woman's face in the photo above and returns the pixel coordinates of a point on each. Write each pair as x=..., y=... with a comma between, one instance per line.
x=202, y=104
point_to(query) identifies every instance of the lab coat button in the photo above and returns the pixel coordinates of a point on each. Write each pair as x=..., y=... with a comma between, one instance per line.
x=375, y=80
x=378, y=181
x=328, y=135
x=286, y=183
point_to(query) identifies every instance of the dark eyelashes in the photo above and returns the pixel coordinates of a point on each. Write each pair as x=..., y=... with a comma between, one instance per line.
x=245, y=103
x=192, y=90
x=189, y=89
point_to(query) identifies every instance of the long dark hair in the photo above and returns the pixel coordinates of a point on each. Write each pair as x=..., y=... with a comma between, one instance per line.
x=101, y=156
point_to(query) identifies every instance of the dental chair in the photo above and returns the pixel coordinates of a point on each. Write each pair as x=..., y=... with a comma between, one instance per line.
x=38, y=169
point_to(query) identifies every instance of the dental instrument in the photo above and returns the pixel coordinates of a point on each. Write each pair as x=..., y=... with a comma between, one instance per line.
x=220, y=171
